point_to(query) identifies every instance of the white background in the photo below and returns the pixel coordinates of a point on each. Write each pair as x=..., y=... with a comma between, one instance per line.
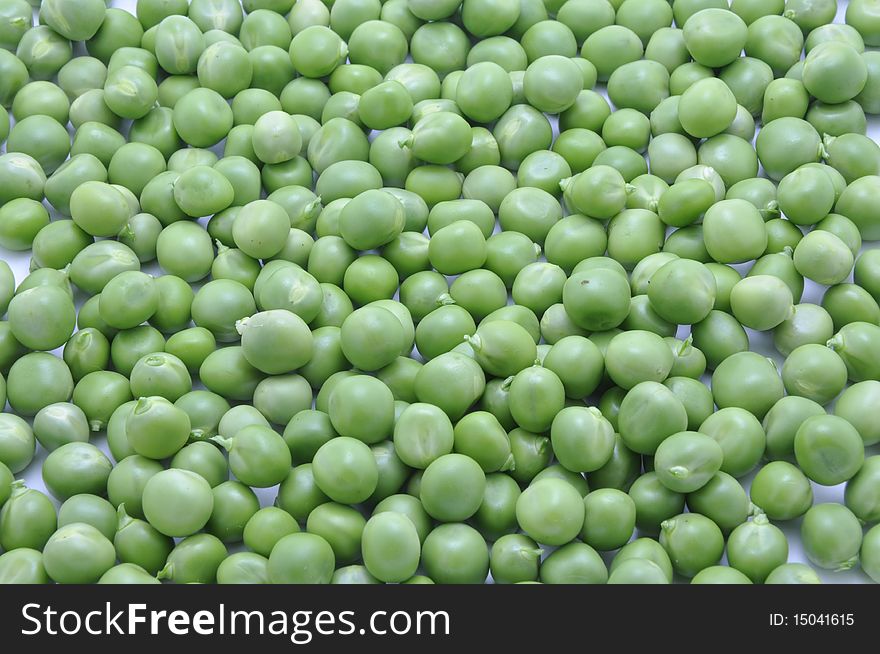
x=760, y=342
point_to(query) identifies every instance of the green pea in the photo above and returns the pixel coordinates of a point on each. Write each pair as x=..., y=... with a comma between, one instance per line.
x=793, y=573
x=797, y=136
x=654, y=502
x=194, y=560
x=301, y=558
x=78, y=553
x=23, y=565
x=756, y=548
x=550, y=511
x=609, y=519
x=391, y=547
x=694, y=107
x=828, y=449
x=781, y=491
x=723, y=500
x=832, y=536
x=192, y=346
x=808, y=324
x=868, y=553
x=204, y=459
x=692, y=541
x=139, y=543
x=682, y=291
x=852, y=342
x=748, y=381
x=35, y=381
x=76, y=468
x=167, y=492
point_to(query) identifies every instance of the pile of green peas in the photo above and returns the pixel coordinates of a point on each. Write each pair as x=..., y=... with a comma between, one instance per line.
x=438, y=291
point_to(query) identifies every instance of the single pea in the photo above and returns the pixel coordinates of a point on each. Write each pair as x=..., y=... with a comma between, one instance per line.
x=694, y=111
x=23, y=565
x=686, y=461
x=234, y=505
x=258, y=456
x=204, y=459
x=734, y=232
x=514, y=558
x=301, y=558
x=796, y=136
x=78, y=553
x=720, y=574
x=740, y=436
x=854, y=406
x=696, y=399
x=17, y=447
x=793, y=573
x=76, y=468
x=761, y=302
x=781, y=491
x=748, y=381
x=828, y=449
x=35, y=381
x=195, y=560
x=682, y=291
x=139, y=543
x=809, y=323
x=362, y=407
x=609, y=519
x=692, y=541
x=455, y=553
x=192, y=346
x=346, y=469
x=815, y=372
x=831, y=536
x=823, y=257
x=167, y=492
x=655, y=503
x=156, y=428
x=391, y=546
x=756, y=548
x=723, y=500
x=853, y=343
x=551, y=512
x=648, y=414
